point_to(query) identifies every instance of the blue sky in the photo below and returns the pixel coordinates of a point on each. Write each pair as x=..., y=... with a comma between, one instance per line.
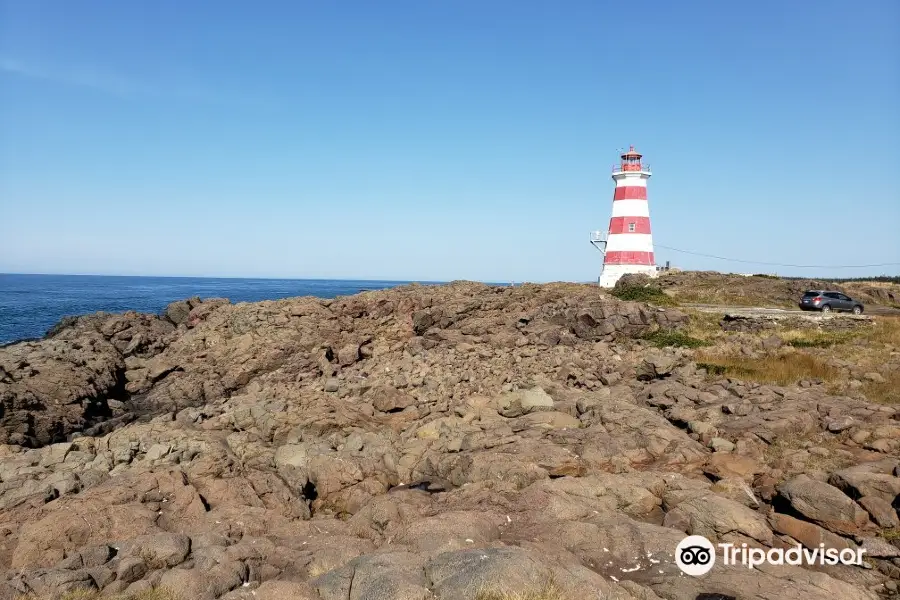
x=443, y=140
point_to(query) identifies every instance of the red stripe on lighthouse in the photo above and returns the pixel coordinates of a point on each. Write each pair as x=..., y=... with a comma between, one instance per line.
x=629, y=258
x=623, y=225
x=630, y=192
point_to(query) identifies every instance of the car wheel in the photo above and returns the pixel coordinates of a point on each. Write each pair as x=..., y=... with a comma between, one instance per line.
x=857, y=310
x=826, y=308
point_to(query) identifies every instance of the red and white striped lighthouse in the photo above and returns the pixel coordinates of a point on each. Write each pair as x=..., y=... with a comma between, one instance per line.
x=629, y=243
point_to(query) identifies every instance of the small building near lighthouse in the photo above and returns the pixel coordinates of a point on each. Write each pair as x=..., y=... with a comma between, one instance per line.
x=627, y=245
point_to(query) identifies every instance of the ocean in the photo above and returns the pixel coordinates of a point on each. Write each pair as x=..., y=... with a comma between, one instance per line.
x=32, y=304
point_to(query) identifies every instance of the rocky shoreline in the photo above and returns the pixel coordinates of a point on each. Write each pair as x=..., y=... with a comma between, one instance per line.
x=424, y=442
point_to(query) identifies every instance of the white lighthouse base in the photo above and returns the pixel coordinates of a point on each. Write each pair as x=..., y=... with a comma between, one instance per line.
x=612, y=273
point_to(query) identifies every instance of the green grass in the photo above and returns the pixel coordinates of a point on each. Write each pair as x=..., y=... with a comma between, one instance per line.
x=712, y=369
x=640, y=293
x=822, y=341
x=670, y=338
x=811, y=343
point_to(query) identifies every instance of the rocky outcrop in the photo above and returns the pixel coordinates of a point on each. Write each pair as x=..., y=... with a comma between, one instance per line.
x=426, y=442
x=74, y=378
x=77, y=378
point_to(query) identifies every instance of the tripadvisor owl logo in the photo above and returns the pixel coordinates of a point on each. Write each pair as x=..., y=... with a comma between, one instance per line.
x=695, y=555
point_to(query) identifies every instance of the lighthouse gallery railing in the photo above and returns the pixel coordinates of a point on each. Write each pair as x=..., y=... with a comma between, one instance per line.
x=642, y=169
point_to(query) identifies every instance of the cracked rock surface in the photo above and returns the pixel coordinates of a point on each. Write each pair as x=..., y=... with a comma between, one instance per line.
x=423, y=442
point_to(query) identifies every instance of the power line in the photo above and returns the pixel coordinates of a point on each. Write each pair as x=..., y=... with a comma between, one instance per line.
x=756, y=262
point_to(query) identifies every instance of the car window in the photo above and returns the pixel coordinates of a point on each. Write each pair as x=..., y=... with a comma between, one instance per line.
x=810, y=294
x=833, y=295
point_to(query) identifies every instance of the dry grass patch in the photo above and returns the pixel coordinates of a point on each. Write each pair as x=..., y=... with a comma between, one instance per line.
x=885, y=331
x=785, y=368
x=885, y=392
x=808, y=355
x=548, y=591
x=705, y=325
x=715, y=294
x=870, y=349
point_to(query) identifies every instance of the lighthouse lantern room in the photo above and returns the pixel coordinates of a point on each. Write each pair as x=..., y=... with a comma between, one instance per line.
x=628, y=244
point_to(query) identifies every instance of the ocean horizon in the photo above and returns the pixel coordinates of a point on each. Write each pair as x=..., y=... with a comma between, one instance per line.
x=32, y=303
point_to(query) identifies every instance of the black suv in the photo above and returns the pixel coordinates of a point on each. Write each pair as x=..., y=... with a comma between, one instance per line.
x=826, y=301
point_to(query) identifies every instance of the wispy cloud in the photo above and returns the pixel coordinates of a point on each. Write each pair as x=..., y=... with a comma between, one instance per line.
x=110, y=83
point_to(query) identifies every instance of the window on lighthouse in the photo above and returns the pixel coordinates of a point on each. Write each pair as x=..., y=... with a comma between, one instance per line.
x=631, y=228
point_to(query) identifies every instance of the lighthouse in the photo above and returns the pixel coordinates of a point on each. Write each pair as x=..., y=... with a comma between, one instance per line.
x=627, y=245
